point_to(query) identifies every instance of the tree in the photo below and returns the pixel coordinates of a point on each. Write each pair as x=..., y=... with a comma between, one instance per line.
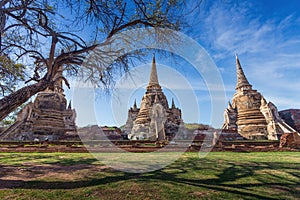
x=10, y=74
x=45, y=36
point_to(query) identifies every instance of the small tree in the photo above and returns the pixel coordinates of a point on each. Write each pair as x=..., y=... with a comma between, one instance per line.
x=10, y=74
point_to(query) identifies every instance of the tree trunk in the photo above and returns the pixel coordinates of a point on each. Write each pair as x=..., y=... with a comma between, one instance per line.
x=14, y=100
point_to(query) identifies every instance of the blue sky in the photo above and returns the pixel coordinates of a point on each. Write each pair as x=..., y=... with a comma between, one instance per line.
x=266, y=36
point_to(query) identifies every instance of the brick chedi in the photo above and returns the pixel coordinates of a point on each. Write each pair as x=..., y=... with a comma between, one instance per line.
x=47, y=117
x=154, y=120
x=250, y=114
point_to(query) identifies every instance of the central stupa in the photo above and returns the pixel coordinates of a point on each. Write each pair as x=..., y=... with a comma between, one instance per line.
x=154, y=120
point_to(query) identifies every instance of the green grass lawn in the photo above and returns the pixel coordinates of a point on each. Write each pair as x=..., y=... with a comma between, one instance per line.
x=220, y=175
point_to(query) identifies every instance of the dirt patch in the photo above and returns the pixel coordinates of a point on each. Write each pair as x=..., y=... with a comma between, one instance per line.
x=15, y=175
x=202, y=194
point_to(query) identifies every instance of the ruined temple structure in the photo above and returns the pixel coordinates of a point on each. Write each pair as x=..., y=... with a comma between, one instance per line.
x=47, y=118
x=250, y=114
x=291, y=117
x=154, y=120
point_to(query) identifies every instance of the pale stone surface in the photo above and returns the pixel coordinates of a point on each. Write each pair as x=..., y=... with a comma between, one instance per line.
x=154, y=120
x=251, y=115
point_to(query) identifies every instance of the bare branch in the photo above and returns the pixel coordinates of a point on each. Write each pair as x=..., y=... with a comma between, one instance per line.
x=44, y=40
x=130, y=24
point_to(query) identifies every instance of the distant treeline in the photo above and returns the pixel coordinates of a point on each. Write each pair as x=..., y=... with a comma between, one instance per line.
x=195, y=126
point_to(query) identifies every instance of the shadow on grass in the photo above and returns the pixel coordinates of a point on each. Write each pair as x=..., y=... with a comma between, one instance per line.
x=73, y=161
x=228, y=177
x=17, y=159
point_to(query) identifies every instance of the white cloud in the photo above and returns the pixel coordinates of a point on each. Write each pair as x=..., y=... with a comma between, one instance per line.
x=284, y=102
x=269, y=46
x=237, y=28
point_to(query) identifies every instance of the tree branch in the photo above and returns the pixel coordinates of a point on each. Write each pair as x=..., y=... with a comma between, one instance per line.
x=130, y=24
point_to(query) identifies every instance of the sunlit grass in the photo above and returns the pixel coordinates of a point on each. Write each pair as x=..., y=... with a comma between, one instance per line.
x=260, y=175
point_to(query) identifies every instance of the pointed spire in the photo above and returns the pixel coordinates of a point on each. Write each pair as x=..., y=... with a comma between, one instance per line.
x=70, y=105
x=58, y=85
x=242, y=81
x=229, y=106
x=153, y=76
x=263, y=101
x=173, y=104
x=134, y=105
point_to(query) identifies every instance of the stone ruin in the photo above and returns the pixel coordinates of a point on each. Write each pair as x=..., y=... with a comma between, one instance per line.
x=47, y=118
x=291, y=140
x=251, y=115
x=291, y=117
x=154, y=120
